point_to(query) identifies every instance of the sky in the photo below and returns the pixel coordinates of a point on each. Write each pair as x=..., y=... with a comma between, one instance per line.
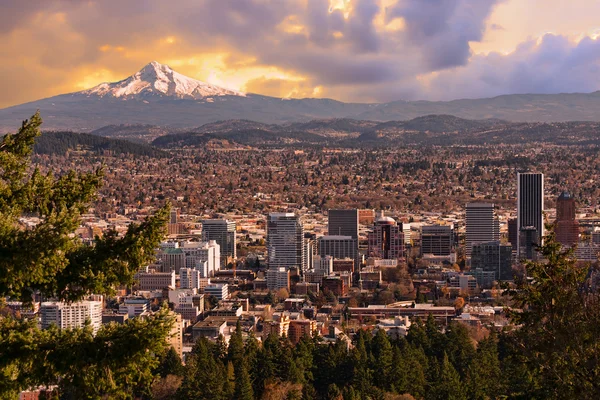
x=349, y=50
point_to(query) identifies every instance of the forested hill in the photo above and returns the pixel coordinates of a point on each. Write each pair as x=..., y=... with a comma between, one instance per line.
x=61, y=142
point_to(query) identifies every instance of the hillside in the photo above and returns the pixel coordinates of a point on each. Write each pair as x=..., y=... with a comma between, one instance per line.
x=439, y=130
x=61, y=142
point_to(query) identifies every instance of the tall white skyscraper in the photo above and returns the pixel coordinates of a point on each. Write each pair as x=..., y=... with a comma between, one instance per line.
x=530, y=207
x=221, y=231
x=482, y=225
x=285, y=241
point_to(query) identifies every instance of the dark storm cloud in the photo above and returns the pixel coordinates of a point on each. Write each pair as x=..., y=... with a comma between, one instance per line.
x=442, y=29
x=350, y=53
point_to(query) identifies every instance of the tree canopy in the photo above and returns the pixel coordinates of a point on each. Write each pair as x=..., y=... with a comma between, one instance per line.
x=47, y=260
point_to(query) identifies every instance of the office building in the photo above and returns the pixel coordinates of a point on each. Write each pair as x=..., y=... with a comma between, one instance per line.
x=343, y=223
x=513, y=234
x=278, y=278
x=72, y=315
x=134, y=307
x=339, y=247
x=189, y=278
x=301, y=327
x=153, y=280
x=566, y=226
x=197, y=253
x=285, y=241
x=530, y=208
x=528, y=243
x=310, y=248
x=218, y=290
x=171, y=258
x=493, y=256
x=482, y=225
x=386, y=240
x=221, y=231
x=437, y=240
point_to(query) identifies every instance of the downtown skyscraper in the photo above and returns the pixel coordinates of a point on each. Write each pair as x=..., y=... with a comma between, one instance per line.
x=482, y=225
x=530, y=209
x=285, y=241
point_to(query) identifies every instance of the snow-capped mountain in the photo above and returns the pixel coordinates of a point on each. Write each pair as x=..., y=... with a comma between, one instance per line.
x=159, y=79
x=157, y=95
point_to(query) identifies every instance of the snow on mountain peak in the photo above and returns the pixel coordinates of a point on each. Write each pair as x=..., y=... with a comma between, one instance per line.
x=160, y=79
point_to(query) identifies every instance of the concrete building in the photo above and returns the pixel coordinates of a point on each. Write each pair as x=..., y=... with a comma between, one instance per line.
x=221, y=231
x=566, y=226
x=528, y=242
x=339, y=247
x=301, y=327
x=134, y=307
x=219, y=290
x=285, y=241
x=437, y=240
x=481, y=225
x=210, y=328
x=189, y=278
x=171, y=258
x=278, y=278
x=530, y=208
x=196, y=253
x=153, y=280
x=343, y=223
x=280, y=325
x=386, y=240
x=72, y=315
x=485, y=279
x=493, y=256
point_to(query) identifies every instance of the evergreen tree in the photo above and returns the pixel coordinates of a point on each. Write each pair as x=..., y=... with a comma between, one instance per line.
x=205, y=376
x=448, y=386
x=170, y=364
x=459, y=347
x=382, y=357
x=50, y=261
x=559, y=324
x=484, y=376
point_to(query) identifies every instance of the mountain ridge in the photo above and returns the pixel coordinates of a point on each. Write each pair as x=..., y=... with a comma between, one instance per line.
x=158, y=95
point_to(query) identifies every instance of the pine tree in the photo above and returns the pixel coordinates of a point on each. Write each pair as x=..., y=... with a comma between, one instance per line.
x=448, y=386
x=382, y=357
x=484, y=376
x=50, y=261
x=170, y=364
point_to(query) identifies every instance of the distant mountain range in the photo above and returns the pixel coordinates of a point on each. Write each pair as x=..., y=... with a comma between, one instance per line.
x=159, y=96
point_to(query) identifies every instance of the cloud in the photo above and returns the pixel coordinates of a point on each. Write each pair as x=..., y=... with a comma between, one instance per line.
x=364, y=50
x=554, y=64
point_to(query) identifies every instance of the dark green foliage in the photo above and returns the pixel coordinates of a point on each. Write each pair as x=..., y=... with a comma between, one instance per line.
x=170, y=364
x=58, y=143
x=118, y=361
x=556, y=345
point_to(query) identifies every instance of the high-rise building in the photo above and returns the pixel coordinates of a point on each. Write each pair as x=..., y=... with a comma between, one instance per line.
x=221, y=231
x=530, y=208
x=528, y=242
x=189, y=278
x=339, y=247
x=197, y=253
x=437, y=240
x=343, y=223
x=566, y=225
x=285, y=241
x=513, y=234
x=218, y=290
x=482, y=225
x=493, y=256
x=386, y=240
x=72, y=315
